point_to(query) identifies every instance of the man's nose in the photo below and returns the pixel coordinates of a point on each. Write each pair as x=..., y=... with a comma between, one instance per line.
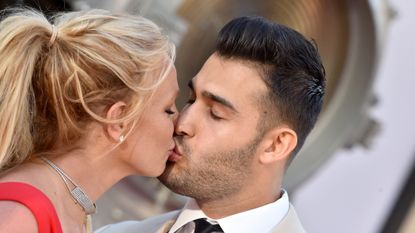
x=184, y=123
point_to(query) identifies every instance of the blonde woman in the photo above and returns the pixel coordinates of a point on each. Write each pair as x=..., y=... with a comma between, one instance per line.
x=85, y=100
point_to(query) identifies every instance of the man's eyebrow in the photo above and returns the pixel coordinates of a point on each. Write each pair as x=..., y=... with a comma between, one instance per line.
x=213, y=97
x=219, y=100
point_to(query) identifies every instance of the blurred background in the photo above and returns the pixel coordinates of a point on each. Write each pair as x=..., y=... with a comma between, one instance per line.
x=356, y=172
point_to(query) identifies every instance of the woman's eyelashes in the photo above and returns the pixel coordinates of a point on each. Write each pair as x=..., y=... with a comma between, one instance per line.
x=170, y=112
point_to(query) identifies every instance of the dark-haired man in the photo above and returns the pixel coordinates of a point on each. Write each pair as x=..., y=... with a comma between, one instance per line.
x=251, y=108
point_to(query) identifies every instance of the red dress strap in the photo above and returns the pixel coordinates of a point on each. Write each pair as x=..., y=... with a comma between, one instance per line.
x=35, y=200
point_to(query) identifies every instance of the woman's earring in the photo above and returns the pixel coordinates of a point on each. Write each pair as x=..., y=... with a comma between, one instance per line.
x=121, y=139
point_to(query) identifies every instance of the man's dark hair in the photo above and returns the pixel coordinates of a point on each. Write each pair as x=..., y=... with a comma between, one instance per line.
x=289, y=64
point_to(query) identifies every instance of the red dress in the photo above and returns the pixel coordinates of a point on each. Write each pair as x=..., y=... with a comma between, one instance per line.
x=35, y=201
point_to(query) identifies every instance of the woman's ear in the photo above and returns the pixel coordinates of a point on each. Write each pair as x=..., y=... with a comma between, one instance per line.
x=279, y=143
x=116, y=131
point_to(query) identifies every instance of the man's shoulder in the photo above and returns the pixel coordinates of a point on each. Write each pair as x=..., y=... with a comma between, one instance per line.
x=149, y=225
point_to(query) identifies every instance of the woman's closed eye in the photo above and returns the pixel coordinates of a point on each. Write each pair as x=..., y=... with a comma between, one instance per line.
x=170, y=112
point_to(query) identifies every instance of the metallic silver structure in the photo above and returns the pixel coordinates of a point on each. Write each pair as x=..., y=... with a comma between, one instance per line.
x=349, y=35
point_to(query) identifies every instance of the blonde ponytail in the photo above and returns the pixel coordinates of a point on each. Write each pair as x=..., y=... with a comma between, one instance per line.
x=22, y=38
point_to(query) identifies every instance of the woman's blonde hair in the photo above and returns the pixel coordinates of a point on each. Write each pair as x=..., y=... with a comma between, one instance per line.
x=56, y=78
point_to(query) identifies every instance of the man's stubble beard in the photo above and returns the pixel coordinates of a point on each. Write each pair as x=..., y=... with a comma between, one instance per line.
x=217, y=175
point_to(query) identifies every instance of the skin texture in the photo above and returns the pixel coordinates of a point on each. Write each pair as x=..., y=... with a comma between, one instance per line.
x=226, y=161
x=23, y=215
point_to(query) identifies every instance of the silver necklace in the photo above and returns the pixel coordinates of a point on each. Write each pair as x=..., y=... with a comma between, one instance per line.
x=77, y=193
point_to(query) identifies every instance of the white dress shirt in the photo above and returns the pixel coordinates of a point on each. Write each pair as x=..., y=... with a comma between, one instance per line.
x=259, y=220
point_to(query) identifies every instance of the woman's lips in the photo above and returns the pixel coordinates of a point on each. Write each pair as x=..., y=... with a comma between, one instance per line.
x=175, y=155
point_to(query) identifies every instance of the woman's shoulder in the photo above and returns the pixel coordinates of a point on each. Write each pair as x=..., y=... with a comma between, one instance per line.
x=15, y=217
x=25, y=201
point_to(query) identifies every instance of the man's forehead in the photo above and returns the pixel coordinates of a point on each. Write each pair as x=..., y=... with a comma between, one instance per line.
x=240, y=90
x=223, y=74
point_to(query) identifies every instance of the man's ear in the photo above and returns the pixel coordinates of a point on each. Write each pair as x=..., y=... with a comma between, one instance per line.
x=116, y=131
x=278, y=145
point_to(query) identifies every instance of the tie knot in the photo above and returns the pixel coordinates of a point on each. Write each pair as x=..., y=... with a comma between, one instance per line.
x=203, y=226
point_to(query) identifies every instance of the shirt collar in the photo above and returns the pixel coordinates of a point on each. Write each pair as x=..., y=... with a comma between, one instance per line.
x=261, y=219
x=191, y=211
